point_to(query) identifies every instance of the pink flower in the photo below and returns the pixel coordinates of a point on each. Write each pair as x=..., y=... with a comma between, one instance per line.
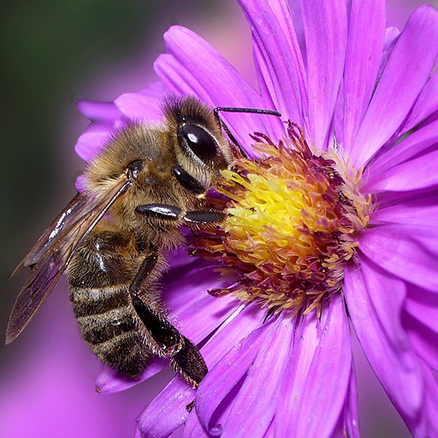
x=365, y=97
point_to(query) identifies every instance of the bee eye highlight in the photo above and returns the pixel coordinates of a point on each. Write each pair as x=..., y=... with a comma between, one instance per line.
x=199, y=141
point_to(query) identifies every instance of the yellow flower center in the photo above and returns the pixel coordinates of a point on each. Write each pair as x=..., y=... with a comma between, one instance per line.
x=292, y=222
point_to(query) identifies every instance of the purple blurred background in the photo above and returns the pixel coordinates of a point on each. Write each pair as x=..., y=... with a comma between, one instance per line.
x=54, y=52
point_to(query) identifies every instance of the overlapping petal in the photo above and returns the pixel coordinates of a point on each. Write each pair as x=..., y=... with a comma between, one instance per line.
x=325, y=29
x=328, y=377
x=370, y=292
x=226, y=374
x=404, y=252
x=136, y=106
x=421, y=322
x=423, y=141
x=417, y=211
x=278, y=57
x=426, y=104
x=177, y=395
x=167, y=411
x=259, y=392
x=417, y=173
x=105, y=118
x=92, y=141
x=306, y=340
x=362, y=63
x=403, y=78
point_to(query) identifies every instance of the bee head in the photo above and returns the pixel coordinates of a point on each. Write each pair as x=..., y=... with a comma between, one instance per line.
x=201, y=150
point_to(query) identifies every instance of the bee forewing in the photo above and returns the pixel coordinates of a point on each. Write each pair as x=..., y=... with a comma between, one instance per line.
x=71, y=213
x=51, y=254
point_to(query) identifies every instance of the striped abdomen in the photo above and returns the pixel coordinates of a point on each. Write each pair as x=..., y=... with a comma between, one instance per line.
x=100, y=274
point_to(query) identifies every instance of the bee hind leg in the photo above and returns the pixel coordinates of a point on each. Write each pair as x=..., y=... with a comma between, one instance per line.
x=185, y=357
x=190, y=363
x=167, y=337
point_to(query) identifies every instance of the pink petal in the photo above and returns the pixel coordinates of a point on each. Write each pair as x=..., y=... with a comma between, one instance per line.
x=402, y=253
x=306, y=340
x=110, y=381
x=391, y=37
x=421, y=322
x=328, y=377
x=374, y=300
x=193, y=428
x=351, y=424
x=204, y=316
x=226, y=374
x=278, y=56
x=423, y=340
x=417, y=173
x=105, y=117
x=405, y=74
x=187, y=280
x=423, y=306
x=81, y=183
x=416, y=144
x=325, y=27
x=361, y=63
x=348, y=421
x=256, y=402
x=426, y=104
x=91, y=142
x=169, y=409
x=145, y=105
x=102, y=112
x=418, y=211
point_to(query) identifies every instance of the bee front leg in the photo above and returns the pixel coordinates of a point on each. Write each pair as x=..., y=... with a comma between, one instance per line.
x=171, y=212
x=188, y=181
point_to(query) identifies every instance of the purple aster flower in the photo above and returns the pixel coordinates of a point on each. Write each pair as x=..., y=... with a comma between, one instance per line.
x=331, y=227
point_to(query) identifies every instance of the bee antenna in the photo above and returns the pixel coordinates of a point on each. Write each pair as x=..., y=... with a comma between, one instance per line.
x=239, y=110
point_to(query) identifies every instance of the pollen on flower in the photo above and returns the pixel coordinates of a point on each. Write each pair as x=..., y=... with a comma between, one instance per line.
x=292, y=221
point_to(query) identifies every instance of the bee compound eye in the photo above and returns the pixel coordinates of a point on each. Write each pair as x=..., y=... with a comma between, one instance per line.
x=199, y=141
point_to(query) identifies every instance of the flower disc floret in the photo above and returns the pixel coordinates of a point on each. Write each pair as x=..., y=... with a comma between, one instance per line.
x=292, y=224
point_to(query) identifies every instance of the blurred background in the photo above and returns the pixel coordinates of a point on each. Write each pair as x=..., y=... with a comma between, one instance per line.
x=53, y=53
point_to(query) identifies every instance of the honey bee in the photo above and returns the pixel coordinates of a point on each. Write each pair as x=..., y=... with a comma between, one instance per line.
x=113, y=237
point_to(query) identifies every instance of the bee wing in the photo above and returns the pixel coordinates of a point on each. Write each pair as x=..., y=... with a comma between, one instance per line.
x=71, y=213
x=51, y=255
